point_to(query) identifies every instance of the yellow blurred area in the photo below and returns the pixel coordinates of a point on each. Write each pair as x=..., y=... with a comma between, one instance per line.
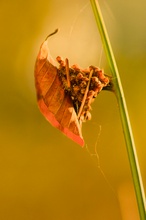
x=43, y=174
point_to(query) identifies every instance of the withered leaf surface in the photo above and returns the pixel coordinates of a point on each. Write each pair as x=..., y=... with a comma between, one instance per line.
x=53, y=101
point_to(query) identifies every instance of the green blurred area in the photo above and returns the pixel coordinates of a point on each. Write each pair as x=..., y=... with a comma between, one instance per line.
x=44, y=175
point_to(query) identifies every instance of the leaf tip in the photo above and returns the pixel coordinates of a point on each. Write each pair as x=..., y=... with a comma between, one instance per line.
x=56, y=30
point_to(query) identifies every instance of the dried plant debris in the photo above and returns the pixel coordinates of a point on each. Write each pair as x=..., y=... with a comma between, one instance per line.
x=82, y=85
x=65, y=94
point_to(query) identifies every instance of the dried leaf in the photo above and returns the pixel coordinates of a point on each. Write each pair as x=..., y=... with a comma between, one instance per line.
x=65, y=94
x=54, y=103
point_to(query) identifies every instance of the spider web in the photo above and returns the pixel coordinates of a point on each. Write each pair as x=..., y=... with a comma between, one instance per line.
x=94, y=154
x=72, y=27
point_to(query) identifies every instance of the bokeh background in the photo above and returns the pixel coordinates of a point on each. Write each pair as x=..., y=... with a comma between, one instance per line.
x=43, y=174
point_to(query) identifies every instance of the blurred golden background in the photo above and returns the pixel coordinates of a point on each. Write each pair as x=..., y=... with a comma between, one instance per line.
x=43, y=174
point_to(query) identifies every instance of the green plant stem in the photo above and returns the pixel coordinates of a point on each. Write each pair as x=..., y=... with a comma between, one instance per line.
x=131, y=149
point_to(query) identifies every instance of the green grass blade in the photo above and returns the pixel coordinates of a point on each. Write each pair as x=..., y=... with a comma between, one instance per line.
x=131, y=149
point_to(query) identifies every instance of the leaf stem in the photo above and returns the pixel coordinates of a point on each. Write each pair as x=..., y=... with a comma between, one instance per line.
x=67, y=72
x=85, y=95
x=54, y=32
x=131, y=149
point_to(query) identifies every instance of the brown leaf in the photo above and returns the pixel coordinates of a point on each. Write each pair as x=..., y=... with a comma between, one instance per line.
x=65, y=93
x=53, y=101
